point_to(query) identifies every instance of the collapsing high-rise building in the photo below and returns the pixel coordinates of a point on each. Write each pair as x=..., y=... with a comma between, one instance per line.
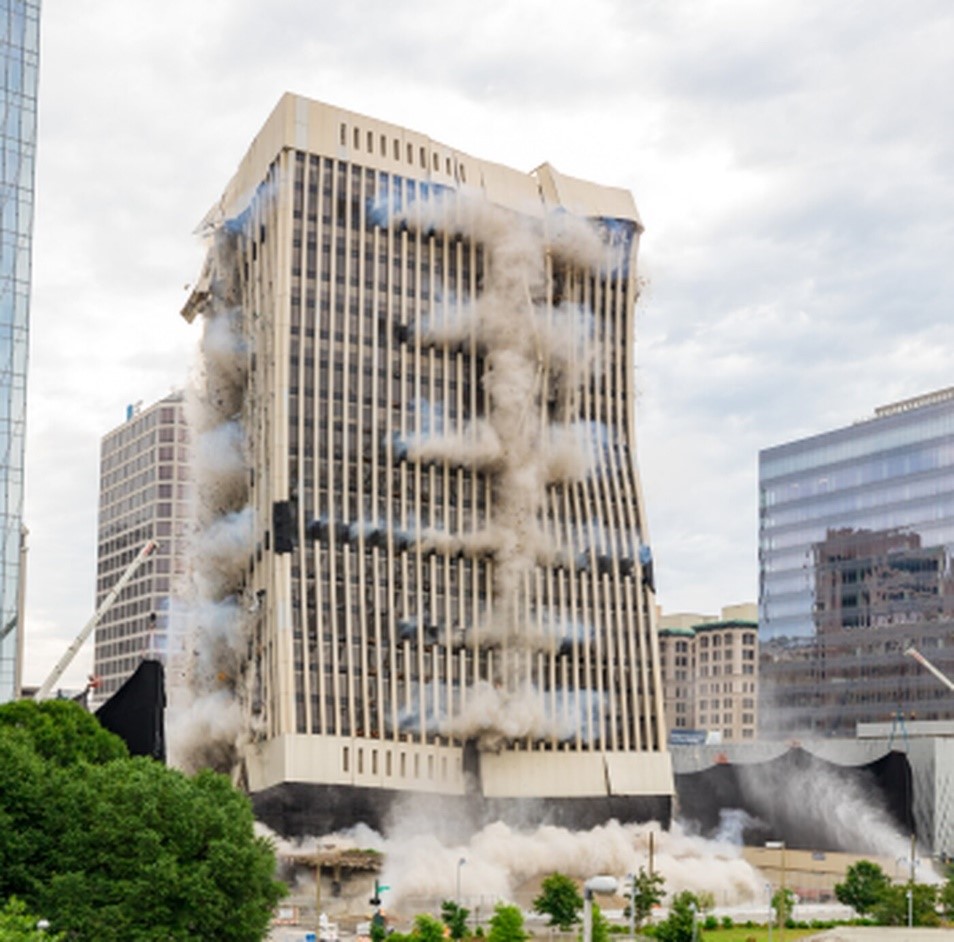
x=421, y=562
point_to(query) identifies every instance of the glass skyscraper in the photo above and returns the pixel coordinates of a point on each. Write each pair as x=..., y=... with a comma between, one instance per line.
x=19, y=53
x=856, y=533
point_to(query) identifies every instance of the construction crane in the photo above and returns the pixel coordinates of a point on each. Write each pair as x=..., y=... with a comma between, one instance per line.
x=43, y=693
x=912, y=651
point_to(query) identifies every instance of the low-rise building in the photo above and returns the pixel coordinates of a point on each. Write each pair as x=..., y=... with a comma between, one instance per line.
x=709, y=671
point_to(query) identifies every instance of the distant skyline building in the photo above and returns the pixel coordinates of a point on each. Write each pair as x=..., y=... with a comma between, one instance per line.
x=19, y=63
x=144, y=495
x=856, y=532
x=445, y=585
x=710, y=674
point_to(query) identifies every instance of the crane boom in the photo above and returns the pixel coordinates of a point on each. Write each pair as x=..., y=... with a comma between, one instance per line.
x=44, y=691
x=925, y=663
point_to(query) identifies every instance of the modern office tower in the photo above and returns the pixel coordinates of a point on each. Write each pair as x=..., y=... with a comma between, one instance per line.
x=710, y=674
x=19, y=55
x=856, y=528
x=144, y=493
x=442, y=580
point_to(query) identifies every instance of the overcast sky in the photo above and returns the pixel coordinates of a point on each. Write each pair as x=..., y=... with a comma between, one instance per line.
x=793, y=162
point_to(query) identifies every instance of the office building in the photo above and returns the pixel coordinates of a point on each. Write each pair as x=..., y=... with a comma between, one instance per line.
x=710, y=674
x=144, y=495
x=445, y=579
x=19, y=59
x=856, y=528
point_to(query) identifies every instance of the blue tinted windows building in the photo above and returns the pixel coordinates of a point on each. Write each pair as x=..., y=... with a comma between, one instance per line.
x=19, y=50
x=856, y=532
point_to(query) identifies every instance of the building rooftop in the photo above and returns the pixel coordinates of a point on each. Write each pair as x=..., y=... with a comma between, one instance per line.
x=729, y=623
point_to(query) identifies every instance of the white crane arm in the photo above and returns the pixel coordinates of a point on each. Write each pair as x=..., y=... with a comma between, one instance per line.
x=925, y=663
x=44, y=691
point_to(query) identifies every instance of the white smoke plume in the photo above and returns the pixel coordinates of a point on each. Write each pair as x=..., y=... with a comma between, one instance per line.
x=220, y=463
x=495, y=716
x=568, y=457
x=421, y=869
x=538, y=352
x=206, y=718
x=202, y=730
x=844, y=813
x=476, y=446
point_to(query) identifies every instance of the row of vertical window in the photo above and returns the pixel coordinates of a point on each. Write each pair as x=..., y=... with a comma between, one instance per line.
x=372, y=143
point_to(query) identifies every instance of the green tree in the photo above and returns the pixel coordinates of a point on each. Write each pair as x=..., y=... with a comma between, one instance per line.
x=506, y=925
x=706, y=900
x=560, y=900
x=379, y=928
x=455, y=918
x=946, y=894
x=61, y=732
x=17, y=924
x=126, y=848
x=783, y=902
x=679, y=926
x=647, y=892
x=892, y=908
x=428, y=928
x=601, y=926
x=864, y=886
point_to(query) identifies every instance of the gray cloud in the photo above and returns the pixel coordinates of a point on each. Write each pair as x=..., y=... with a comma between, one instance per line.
x=792, y=163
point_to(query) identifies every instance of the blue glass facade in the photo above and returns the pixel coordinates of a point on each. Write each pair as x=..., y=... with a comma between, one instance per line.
x=856, y=535
x=19, y=52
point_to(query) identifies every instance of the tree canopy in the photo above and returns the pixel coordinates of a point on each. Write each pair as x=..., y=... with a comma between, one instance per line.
x=891, y=909
x=454, y=916
x=864, y=886
x=679, y=926
x=506, y=925
x=560, y=900
x=647, y=891
x=783, y=903
x=17, y=924
x=107, y=847
x=61, y=732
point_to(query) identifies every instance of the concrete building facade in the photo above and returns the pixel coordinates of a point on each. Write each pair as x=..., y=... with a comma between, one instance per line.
x=144, y=495
x=449, y=570
x=856, y=530
x=710, y=672
x=19, y=63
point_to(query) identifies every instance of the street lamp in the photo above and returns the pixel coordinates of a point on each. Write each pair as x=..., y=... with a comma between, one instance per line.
x=460, y=863
x=605, y=886
x=692, y=907
x=910, y=896
x=780, y=846
x=771, y=910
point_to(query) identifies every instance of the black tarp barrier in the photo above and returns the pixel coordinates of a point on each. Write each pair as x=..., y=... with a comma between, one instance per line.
x=799, y=798
x=136, y=712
